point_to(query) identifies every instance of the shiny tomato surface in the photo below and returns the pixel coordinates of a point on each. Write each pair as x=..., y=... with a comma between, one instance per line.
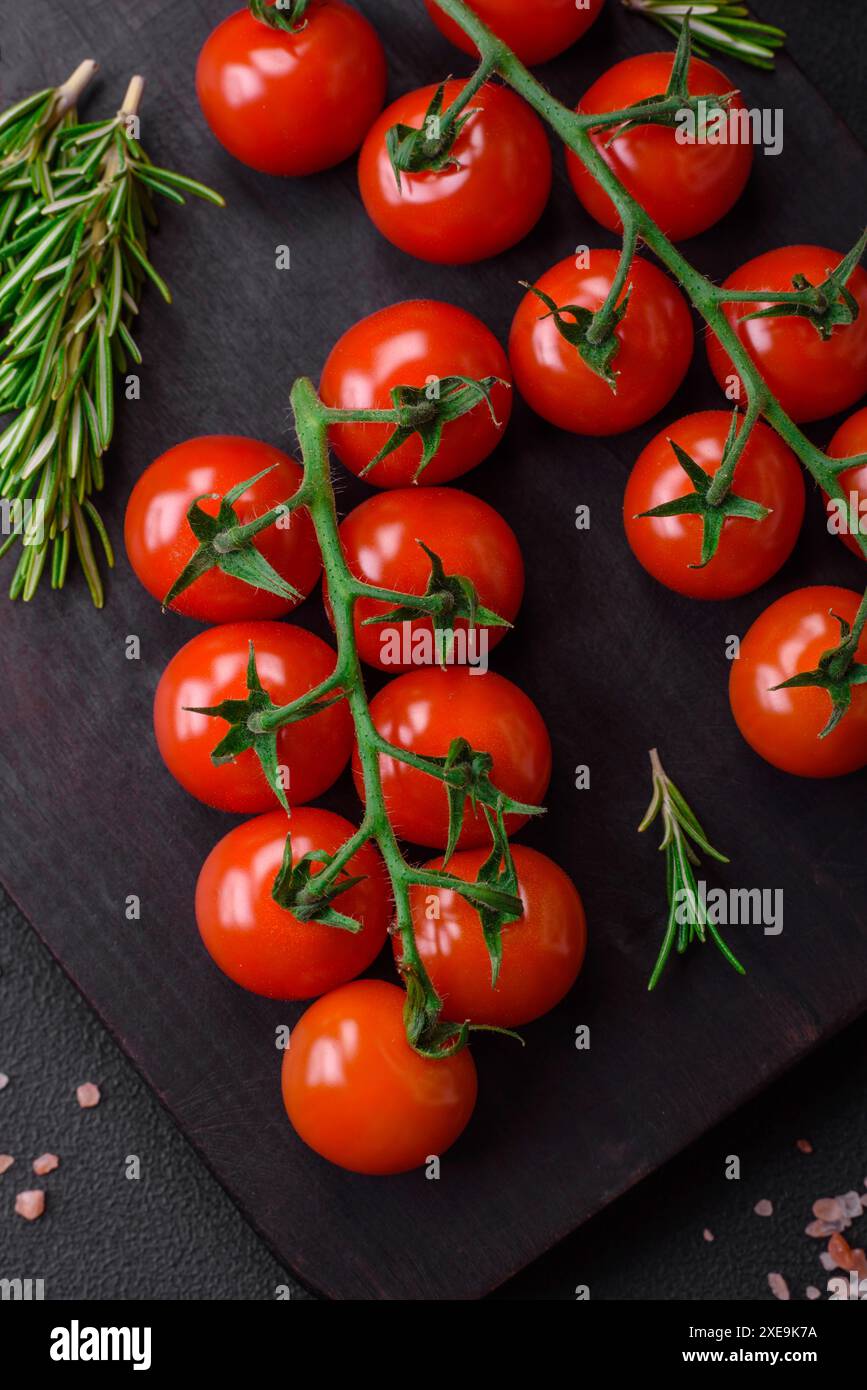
x=851, y=439
x=685, y=187
x=542, y=952
x=360, y=1096
x=809, y=376
x=749, y=551
x=211, y=668
x=535, y=32
x=381, y=543
x=292, y=103
x=455, y=215
x=655, y=346
x=423, y=711
x=160, y=542
x=263, y=946
x=415, y=343
x=784, y=725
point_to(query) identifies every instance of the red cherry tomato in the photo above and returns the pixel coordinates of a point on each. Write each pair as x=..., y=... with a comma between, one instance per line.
x=263, y=946
x=423, y=711
x=809, y=376
x=534, y=32
x=456, y=215
x=160, y=542
x=381, y=544
x=749, y=552
x=358, y=1094
x=685, y=187
x=783, y=726
x=655, y=337
x=542, y=953
x=851, y=439
x=409, y=344
x=212, y=668
x=292, y=103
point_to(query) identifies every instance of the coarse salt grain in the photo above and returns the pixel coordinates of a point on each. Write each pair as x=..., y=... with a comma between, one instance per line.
x=88, y=1095
x=827, y=1261
x=805, y=1146
x=764, y=1208
x=45, y=1163
x=30, y=1205
x=778, y=1286
x=851, y=1203
x=4, y=1082
x=6, y=1161
x=812, y=1292
x=829, y=1209
x=708, y=1235
x=820, y=1230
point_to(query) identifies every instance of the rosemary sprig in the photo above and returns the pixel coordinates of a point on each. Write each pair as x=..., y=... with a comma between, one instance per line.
x=74, y=259
x=687, y=913
x=724, y=26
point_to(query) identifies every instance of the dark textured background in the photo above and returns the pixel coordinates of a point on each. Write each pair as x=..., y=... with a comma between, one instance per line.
x=174, y=1234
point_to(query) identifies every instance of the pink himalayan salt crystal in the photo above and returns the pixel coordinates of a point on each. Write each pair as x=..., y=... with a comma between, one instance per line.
x=805, y=1146
x=827, y=1261
x=6, y=1161
x=4, y=1082
x=45, y=1163
x=812, y=1292
x=764, y=1208
x=88, y=1095
x=708, y=1235
x=851, y=1204
x=30, y=1205
x=820, y=1230
x=829, y=1209
x=778, y=1286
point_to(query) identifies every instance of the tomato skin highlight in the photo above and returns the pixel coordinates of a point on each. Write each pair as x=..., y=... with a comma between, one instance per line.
x=542, y=953
x=212, y=668
x=380, y=541
x=685, y=188
x=783, y=726
x=851, y=439
x=655, y=336
x=810, y=378
x=357, y=1093
x=534, y=32
x=749, y=552
x=454, y=216
x=423, y=711
x=292, y=104
x=406, y=344
x=263, y=947
x=160, y=542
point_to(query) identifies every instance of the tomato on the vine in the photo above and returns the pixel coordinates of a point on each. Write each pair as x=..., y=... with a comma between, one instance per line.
x=211, y=668
x=381, y=543
x=160, y=542
x=359, y=1095
x=292, y=103
x=685, y=186
x=467, y=211
x=749, y=551
x=810, y=376
x=534, y=32
x=542, y=952
x=415, y=343
x=263, y=946
x=849, y=440
x=784, y=725
x=423, y=711
x=655, y=339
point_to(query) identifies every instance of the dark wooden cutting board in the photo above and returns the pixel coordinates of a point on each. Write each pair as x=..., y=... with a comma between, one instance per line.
x=89, y=815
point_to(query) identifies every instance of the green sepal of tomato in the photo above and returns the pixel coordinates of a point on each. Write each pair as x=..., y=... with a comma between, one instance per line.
x=413, y=149
x=830, y=305
x=598, y=356
x=458, y=599
x=295, y=889
x=425, y=415
x=837, y=671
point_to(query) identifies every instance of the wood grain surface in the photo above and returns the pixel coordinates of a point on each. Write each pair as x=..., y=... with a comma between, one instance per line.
x=89, y=814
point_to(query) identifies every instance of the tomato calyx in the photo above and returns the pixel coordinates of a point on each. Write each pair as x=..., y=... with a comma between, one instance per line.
x=226, y=545
x=425, y=410
x=466, y=775
x=414, y=149
x=837, y=670
x=688, y=917
x=826, y=306
x=597, y=350
x=297, y=889
x=712, y=499
x=287, y=15
x=454, y=597
x=250, y=727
